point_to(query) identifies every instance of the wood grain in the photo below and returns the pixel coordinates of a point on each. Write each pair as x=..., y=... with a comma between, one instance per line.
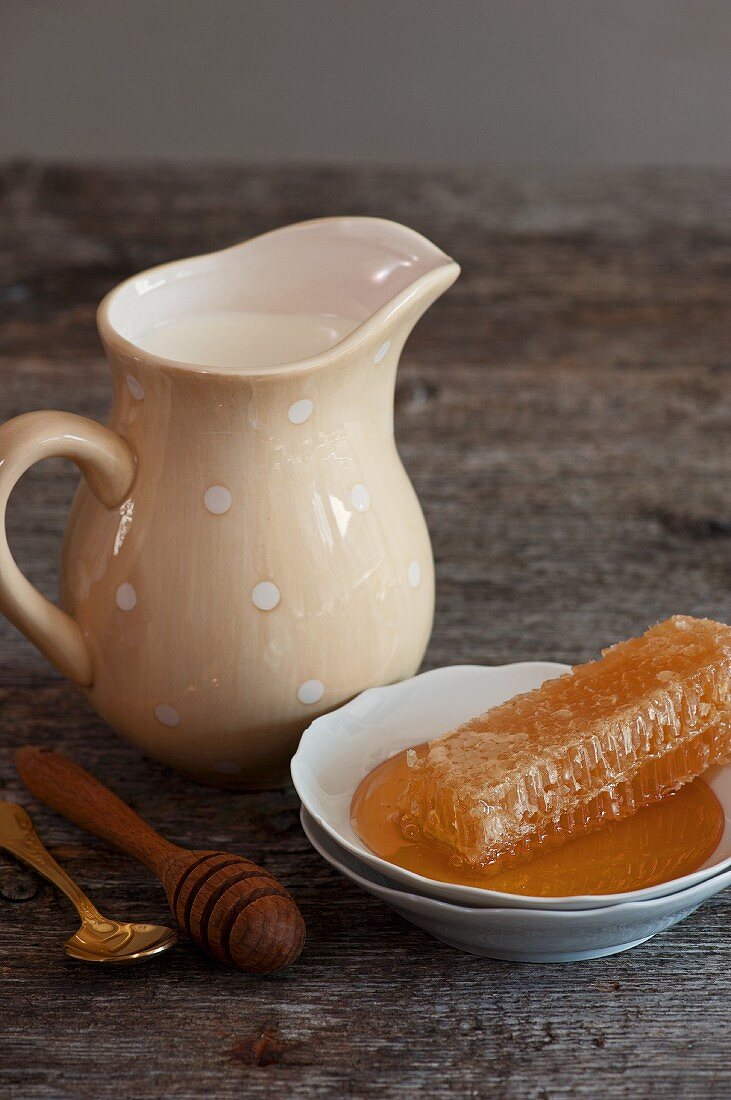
x=564, y=414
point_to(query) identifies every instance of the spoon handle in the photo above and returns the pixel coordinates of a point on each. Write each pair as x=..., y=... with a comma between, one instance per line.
x=18, y=836
x=71, y=791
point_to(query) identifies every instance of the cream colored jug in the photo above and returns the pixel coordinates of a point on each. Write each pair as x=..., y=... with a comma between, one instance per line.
x=246, y=550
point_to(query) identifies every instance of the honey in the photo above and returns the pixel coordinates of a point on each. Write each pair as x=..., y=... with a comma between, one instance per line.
x=591, y=747
x=671, y=838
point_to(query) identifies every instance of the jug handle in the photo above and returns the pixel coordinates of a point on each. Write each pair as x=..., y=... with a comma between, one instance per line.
x=108, y=464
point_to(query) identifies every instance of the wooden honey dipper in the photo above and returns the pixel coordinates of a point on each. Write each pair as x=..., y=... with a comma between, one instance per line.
x=230, y=907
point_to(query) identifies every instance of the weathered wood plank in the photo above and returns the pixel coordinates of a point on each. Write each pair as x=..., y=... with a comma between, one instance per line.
x=565, y=414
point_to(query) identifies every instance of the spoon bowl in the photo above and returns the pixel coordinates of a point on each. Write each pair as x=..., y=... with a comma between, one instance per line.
x=108, y=941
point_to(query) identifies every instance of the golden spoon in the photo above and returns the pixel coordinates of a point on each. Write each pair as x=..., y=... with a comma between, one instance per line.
x=98, y=940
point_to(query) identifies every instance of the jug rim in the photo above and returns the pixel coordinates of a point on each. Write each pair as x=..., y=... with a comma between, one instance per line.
x=427, y=286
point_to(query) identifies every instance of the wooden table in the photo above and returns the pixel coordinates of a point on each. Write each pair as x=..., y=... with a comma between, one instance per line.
x=564, y=413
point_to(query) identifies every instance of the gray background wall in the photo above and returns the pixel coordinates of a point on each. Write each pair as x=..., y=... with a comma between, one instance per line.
x=428, y=81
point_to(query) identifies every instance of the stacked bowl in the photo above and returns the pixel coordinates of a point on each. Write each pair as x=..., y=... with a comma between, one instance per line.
x=339, y=749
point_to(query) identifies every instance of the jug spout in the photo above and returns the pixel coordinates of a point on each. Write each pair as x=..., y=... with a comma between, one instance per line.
x=379, y=275
x=355, y=267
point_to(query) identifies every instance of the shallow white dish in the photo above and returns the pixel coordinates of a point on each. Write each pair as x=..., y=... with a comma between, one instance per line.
x=523, y=935
x=341, y=747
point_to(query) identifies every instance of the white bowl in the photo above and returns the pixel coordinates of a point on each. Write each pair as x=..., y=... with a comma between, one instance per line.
x=341, y=747
x=523, y=935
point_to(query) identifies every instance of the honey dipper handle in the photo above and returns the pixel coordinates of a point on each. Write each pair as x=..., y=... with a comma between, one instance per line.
x=72, y=792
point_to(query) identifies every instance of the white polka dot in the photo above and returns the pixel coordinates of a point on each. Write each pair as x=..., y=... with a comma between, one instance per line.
x=217, y=500
x=414, y=574
x=265, y=595
x=227, y=768
x=360, y=498
x=126, y=597
x=382, y=352
x=167, y=715
x=311, y=691
x=300, y=411
x=135, y=387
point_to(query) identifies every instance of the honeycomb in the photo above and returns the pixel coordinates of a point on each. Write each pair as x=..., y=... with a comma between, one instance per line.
x=589, y=747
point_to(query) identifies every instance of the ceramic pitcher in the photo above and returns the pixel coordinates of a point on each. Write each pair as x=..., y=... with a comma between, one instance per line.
x=245, y=550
